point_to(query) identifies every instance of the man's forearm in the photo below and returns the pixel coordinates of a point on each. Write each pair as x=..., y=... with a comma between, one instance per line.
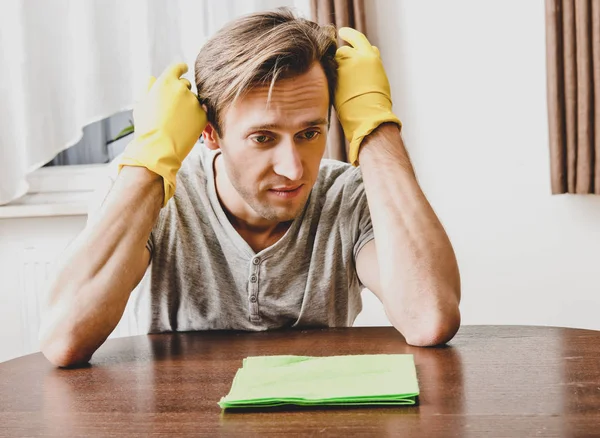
x=419, y=276
x=93, y=282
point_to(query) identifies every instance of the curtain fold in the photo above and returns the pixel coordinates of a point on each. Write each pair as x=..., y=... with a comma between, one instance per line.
x=573, y=86
x=341, y=13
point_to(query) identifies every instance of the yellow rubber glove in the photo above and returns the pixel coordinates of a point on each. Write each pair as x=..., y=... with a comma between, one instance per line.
x=168, y=122
x=363, y=98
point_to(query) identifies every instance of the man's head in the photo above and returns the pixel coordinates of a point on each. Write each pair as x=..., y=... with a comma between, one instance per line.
x=267, y=81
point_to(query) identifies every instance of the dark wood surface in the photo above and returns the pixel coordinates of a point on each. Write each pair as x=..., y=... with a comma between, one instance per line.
x=491, y=381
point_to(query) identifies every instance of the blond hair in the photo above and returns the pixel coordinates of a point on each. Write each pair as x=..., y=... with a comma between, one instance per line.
x=257, y=50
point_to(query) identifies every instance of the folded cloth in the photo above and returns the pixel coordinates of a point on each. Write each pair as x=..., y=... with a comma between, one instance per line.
x=378, y=379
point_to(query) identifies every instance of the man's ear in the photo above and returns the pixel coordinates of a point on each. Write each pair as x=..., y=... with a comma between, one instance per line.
x=211, y=139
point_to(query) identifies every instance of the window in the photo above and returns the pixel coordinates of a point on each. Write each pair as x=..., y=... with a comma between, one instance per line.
x=101, y=142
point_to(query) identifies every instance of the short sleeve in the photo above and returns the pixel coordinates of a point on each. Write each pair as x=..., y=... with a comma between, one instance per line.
x=361, y=228
x=365, y=228
x=150, y=243
x=156, y=231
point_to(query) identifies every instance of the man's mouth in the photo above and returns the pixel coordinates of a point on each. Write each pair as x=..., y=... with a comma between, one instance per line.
x=287, y=192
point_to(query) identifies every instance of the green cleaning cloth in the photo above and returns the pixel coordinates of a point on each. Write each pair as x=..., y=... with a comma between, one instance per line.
x=378, y=379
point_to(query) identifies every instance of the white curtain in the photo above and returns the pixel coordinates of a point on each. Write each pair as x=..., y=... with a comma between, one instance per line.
x=67, y=63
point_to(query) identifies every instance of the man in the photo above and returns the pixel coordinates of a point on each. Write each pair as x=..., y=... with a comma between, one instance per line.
x=254, y=231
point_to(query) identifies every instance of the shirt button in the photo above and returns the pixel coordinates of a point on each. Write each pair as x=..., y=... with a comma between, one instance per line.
x=255, y=261
x=252, y=298
x=253, y=278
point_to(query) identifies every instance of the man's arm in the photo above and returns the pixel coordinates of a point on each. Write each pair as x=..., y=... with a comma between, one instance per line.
x=88, y=295
x=410, y=265
x=90, y=291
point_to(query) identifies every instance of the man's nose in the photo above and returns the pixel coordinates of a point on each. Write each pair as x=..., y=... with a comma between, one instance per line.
x=288, y=162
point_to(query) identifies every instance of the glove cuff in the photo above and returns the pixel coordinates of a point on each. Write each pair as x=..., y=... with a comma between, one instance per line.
x=141, y=153
x=365, y=128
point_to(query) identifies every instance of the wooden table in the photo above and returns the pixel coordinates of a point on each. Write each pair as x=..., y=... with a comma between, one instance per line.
x=491, y=381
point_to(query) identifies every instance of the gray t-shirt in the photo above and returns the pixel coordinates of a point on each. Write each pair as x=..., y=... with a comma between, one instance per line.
x=204, y=276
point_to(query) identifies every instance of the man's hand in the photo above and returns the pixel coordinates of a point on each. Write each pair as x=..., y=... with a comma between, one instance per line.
x=362, y=98
x=168, y=121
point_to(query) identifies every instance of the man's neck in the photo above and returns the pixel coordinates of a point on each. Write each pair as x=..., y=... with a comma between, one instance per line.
x=257, y=238
x=258, y=232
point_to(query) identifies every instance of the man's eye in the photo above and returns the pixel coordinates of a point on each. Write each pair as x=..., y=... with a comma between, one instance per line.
x=310, y=135
x=261, y=139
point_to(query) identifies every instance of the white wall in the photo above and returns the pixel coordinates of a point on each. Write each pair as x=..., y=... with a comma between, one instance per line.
x=468, y=81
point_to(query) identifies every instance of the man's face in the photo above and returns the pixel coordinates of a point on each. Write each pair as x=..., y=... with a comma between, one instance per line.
x=272, y=151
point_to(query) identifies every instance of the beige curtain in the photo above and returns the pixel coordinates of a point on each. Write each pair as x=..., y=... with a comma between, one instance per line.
x=350, y=13
x=573, y=78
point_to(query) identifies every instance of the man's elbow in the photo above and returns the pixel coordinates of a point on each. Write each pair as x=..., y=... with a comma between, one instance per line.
x=64, y=353
x=432, y=330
